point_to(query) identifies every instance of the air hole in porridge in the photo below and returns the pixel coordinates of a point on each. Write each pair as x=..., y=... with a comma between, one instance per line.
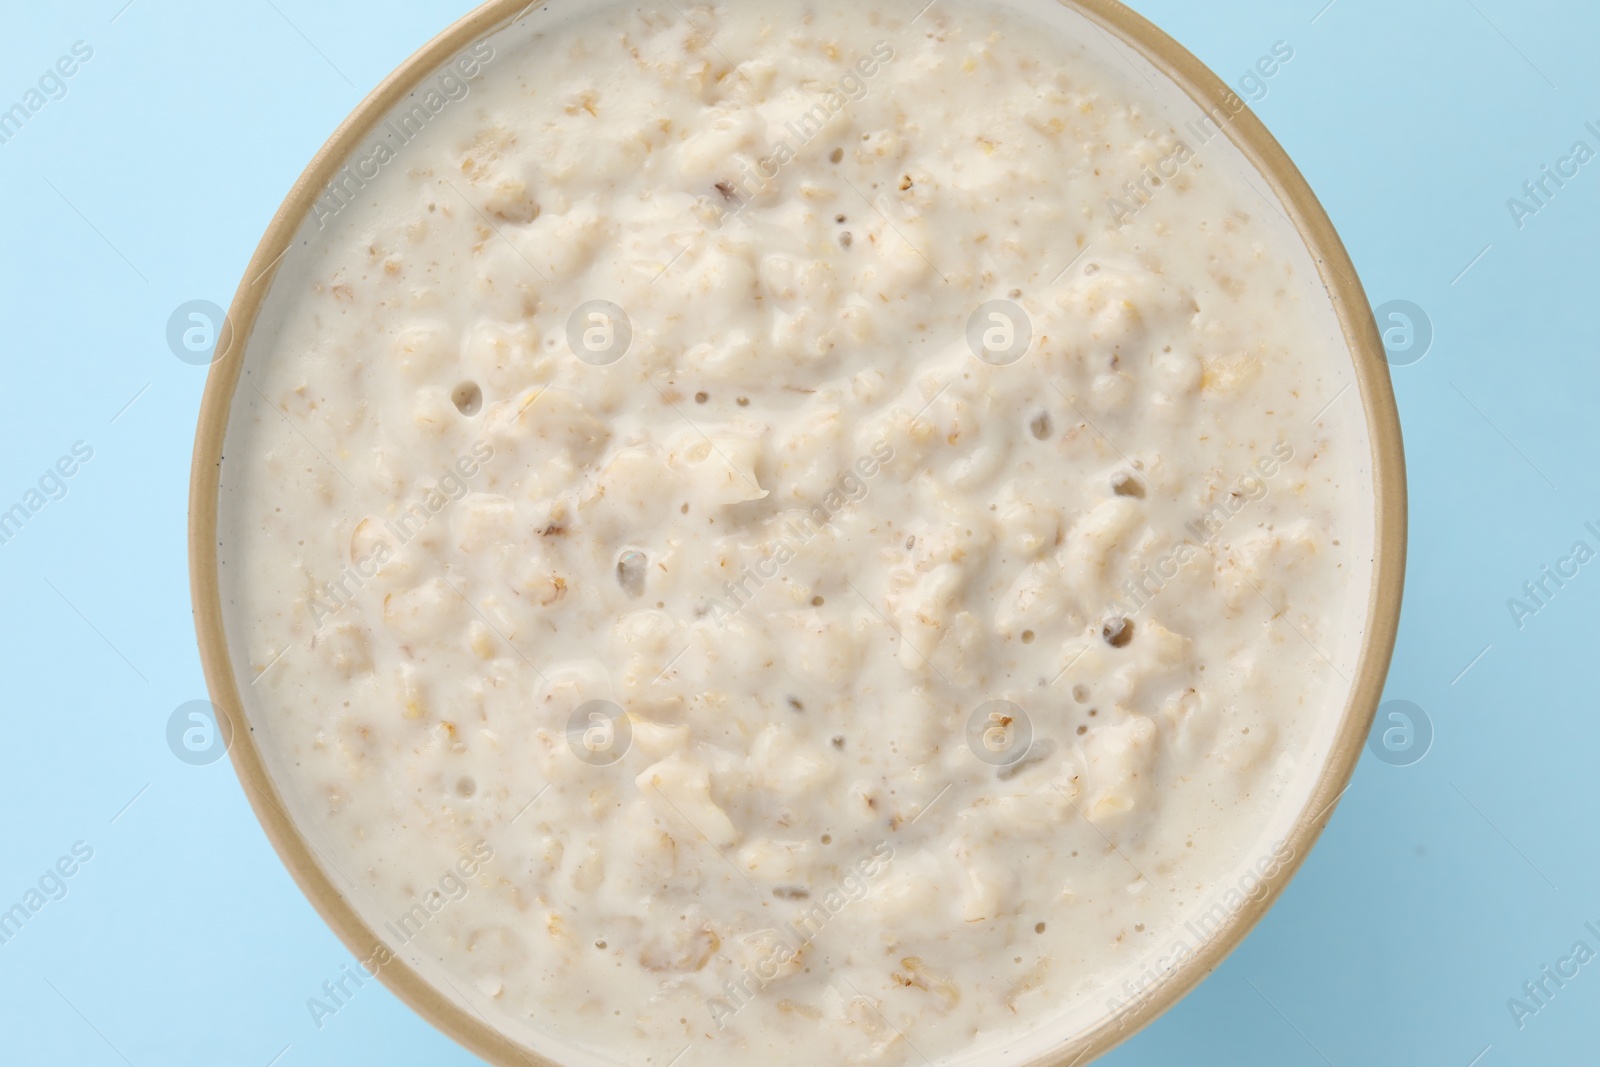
x=632, y=567
x=1117, y=632
x=1127, y=485
x=467, y=398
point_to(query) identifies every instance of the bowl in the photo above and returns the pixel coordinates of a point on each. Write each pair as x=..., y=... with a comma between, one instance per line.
x=1172, y=71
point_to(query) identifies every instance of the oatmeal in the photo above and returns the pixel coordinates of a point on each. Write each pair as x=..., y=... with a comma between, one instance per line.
x=848, y=510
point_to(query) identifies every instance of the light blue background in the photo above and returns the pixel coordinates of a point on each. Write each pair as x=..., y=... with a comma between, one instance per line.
x=1438, y=889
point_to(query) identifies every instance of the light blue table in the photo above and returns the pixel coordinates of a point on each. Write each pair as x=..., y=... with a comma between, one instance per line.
x=1440, y=888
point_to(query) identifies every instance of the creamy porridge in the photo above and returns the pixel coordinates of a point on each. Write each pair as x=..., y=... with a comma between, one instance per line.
x=795, y=533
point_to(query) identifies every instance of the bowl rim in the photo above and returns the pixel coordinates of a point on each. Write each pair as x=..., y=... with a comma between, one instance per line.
x=1260, y=149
